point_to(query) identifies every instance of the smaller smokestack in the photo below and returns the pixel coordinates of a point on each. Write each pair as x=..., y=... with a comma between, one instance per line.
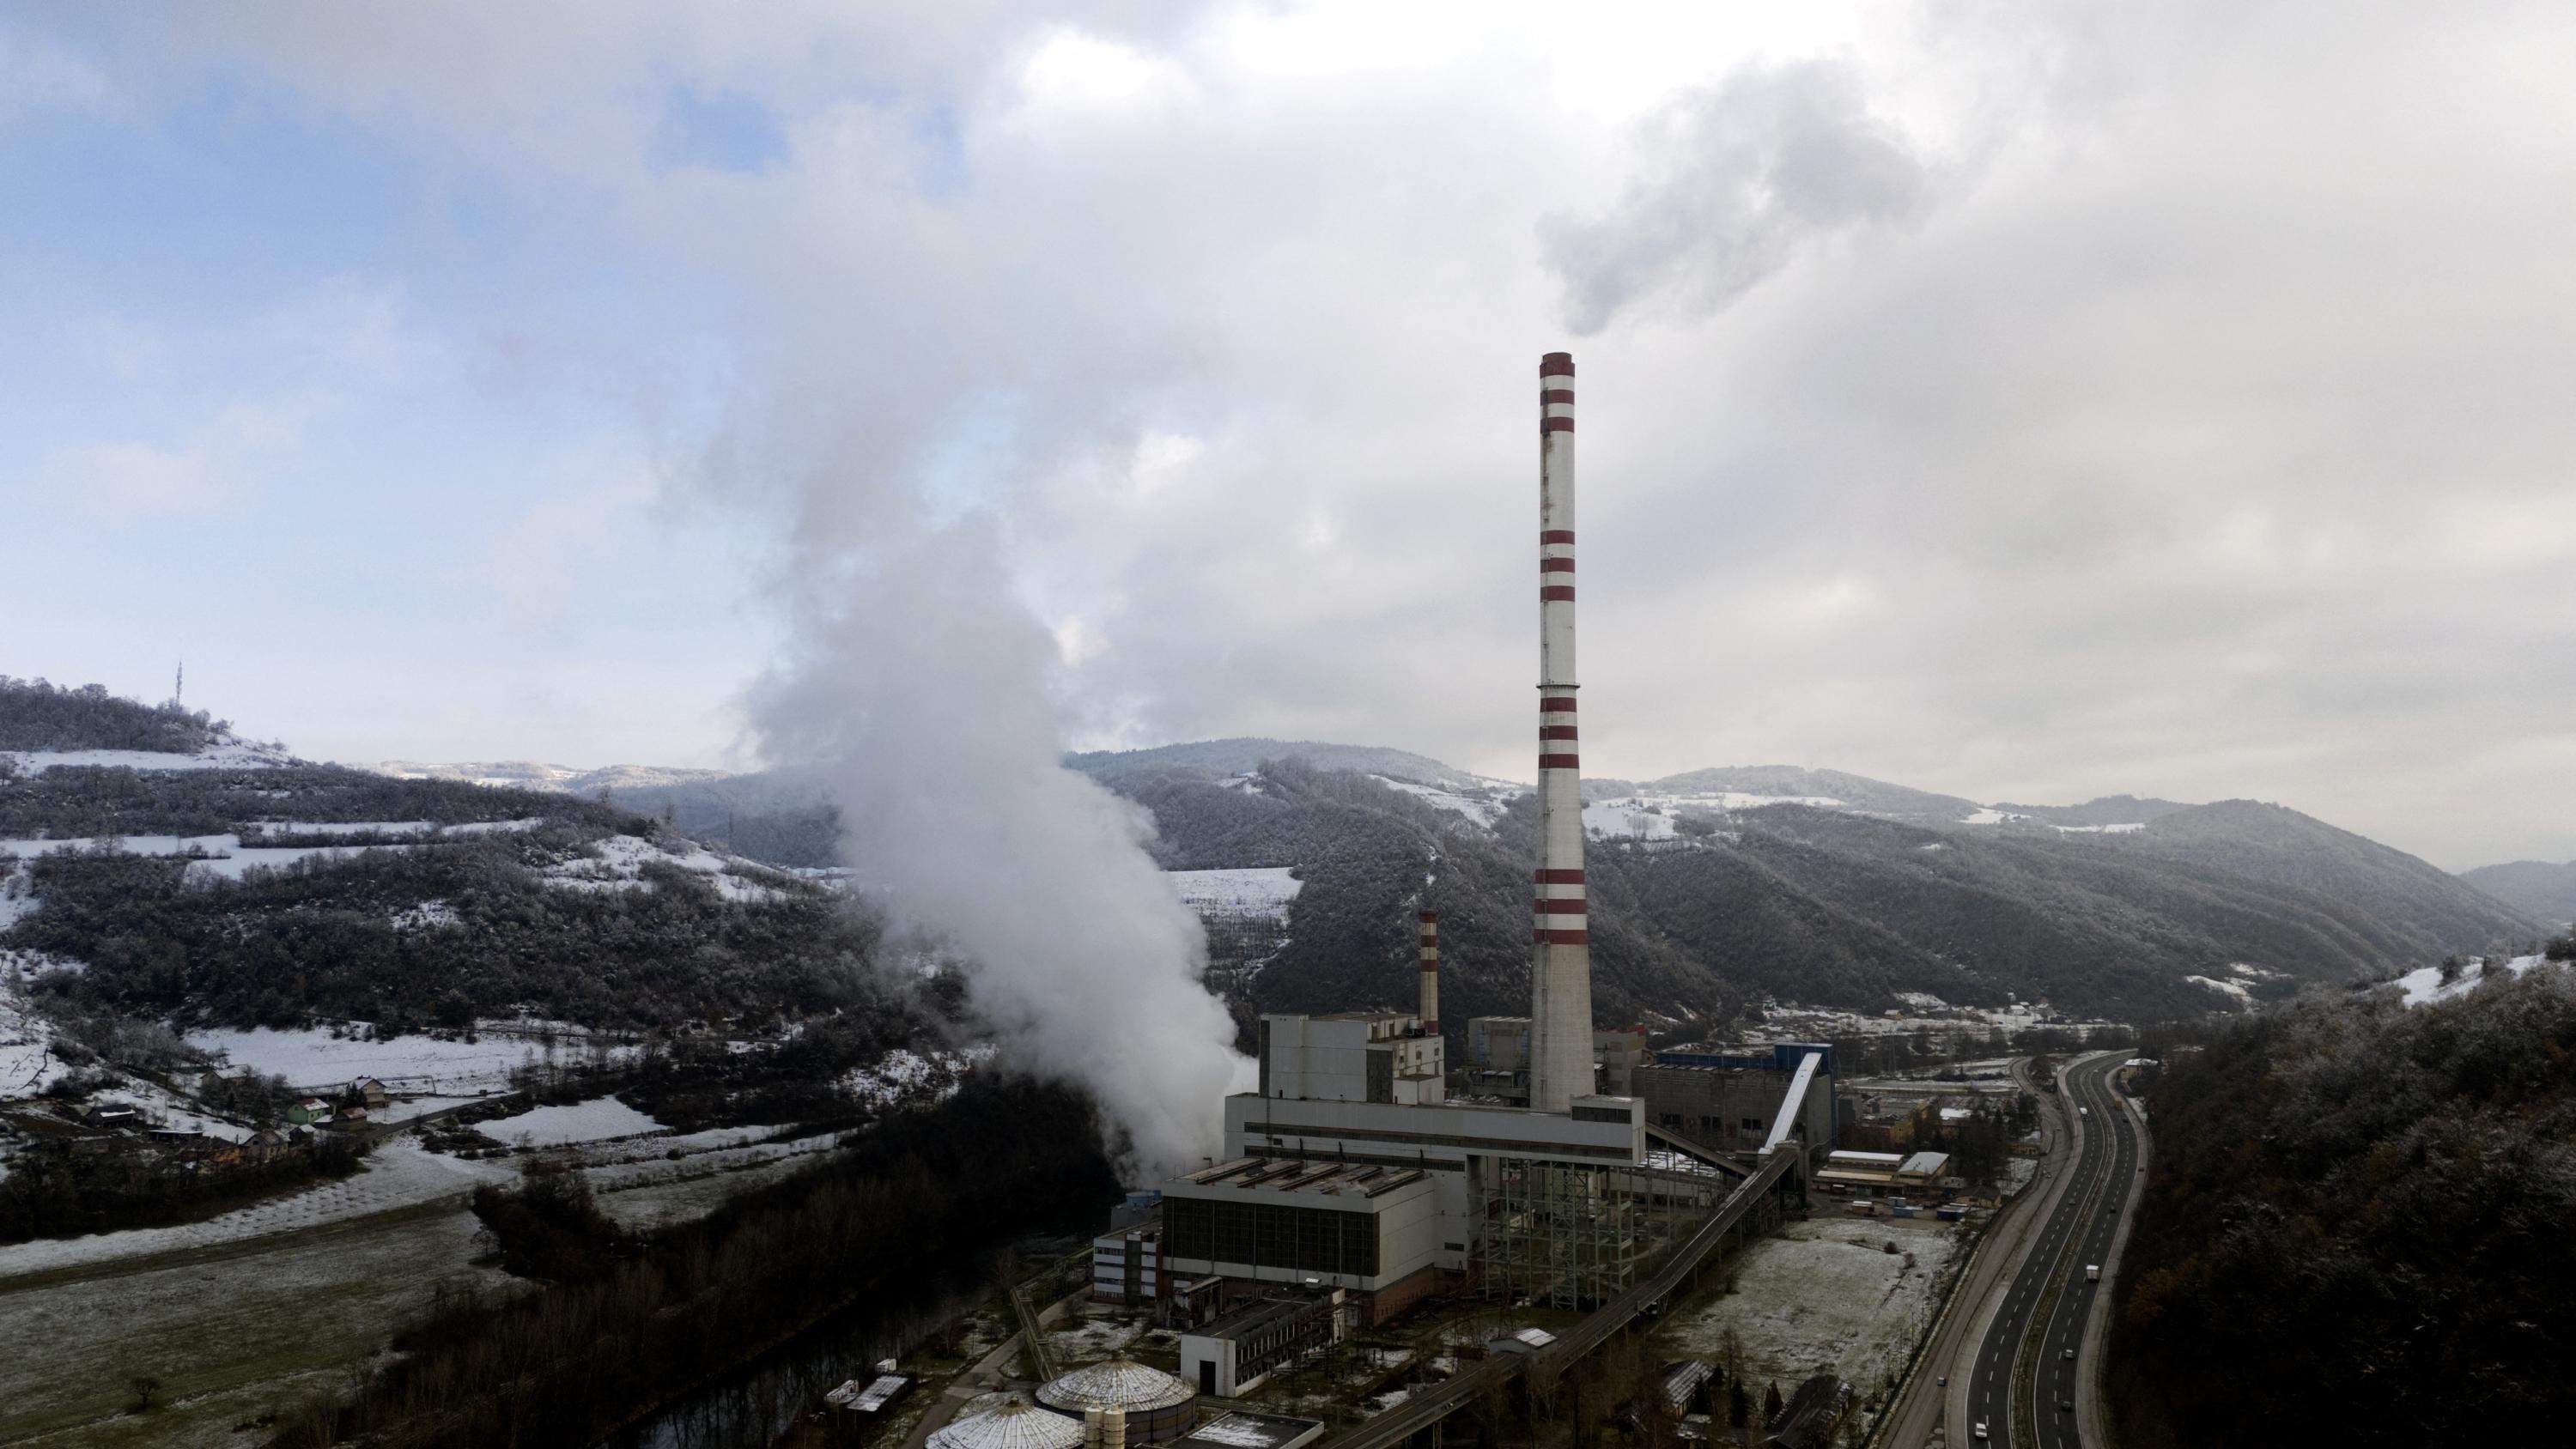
x=1431, y=972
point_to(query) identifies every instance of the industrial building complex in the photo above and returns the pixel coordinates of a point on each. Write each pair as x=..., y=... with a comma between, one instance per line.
x=1545, y=1169
x=1365, y=1172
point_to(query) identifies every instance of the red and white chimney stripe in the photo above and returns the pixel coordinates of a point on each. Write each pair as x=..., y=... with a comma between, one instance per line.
x=1561, y=960
x=1431, y=972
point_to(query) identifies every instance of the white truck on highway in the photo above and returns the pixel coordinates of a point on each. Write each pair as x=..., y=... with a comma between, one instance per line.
x=2092, y=1272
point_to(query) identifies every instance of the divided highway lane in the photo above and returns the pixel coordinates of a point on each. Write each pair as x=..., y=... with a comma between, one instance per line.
x=2023, y=1384
x=2062, y=1345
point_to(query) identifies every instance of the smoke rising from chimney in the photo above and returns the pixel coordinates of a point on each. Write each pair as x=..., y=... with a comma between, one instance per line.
x=920, y=689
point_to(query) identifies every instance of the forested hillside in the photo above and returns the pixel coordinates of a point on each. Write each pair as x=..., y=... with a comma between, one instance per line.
x=2355, y=1229
x=1820, y=906
x=297, y=890
x=2537, y=888
x=36, y=715
x=1370, y=857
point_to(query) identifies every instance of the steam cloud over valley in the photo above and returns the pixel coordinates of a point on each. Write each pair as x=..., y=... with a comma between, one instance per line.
x=921, y=692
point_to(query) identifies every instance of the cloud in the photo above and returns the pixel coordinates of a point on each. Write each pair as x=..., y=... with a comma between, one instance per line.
x=38, y=76
x=1745, y=172
x=133, y=482
x=2018, y=399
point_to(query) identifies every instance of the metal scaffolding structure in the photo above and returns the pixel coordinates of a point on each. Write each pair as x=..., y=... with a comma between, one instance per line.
x=1566, y=1235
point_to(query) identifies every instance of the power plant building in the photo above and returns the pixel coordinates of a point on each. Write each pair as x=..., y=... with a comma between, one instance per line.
x=1351, y=1168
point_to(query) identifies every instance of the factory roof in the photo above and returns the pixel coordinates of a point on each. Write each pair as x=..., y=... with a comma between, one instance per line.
x=1017, y=1424
x=1119, y=1383
x=1241, y=1430
x=1294, y=1174
x=1847, y=1157
x=1926, y=1164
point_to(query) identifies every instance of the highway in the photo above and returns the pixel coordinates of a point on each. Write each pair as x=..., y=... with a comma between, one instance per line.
x=2024, y=1377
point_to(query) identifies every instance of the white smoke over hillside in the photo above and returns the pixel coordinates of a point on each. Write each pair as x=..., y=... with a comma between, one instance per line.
x=923, y=695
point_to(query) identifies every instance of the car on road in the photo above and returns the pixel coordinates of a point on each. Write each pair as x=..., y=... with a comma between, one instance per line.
x=2070, y=1353
x=1981, y=1431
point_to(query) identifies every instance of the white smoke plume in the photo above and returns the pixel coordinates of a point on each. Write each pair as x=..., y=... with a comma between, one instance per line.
x=922, y=694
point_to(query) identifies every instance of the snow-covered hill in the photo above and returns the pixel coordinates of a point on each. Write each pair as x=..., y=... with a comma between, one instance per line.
x=555, y=779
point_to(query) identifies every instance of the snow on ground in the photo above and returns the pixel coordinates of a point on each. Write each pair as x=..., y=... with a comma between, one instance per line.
x=1816, y=1023
x=1092, y=1340
x=1824, y=1296
x=27, y=1061
x=398, y=827
x=591, y=1121
x=1739, y=800
x=1632, y=819
x=397, y=1174
x=617, y=863
x=427, y=916
x=224, y=855
x=231, y=1335
x=227, y=755
x=2235, y=989
x=2420, y=987
x=2129, y=827
x=1478, y=808
x=403, y=1109
x=314, y=1059
x=167, y=1109
x=905, y=1075
x=17, y=893
x=1250, y=894
x=649, y=1192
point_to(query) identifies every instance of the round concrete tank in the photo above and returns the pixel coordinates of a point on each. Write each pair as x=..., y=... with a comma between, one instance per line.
x=1017, y=1424
x=1159, y=1407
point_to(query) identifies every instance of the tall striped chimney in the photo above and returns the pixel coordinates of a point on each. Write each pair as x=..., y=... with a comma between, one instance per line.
x=1431, y=973
x=1561, y=953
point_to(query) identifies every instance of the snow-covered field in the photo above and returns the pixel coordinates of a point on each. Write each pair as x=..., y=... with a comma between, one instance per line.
x=1825, y=1296
x=2235, y=990
x=1250, y=894
x=1632, y=819
x=227, y=755
x=225, y=855
x=2425, y=985
x=397, y=1174
x=314, y=1059
x=231, y=1335
x=27, y=1061
x=1483, y=808
x=596, y=1120
x=398, y=827
x=617, y=863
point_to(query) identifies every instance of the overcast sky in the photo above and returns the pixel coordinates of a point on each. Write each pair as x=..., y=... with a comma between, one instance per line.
x=2027, y=401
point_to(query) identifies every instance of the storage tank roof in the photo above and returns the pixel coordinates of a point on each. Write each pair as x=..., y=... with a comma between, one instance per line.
x=1118, y=1383
x=1017, y=1424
